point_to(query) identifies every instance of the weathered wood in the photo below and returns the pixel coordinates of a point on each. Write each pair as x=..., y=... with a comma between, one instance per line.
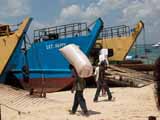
x=126, y=77
x=131, y=75
x=131, y=62
x=139, y=67
x=130, y=72
x=136, y=76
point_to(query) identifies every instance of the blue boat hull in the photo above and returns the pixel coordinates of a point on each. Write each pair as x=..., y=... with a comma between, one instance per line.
x=48, y=69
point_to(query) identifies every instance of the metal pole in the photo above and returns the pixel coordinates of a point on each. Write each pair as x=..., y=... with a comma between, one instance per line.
x=0, y=111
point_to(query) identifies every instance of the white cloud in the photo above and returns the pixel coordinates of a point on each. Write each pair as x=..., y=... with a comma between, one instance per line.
x=75, y=12
x=130, y=12
x=95, y=9
x=37, y=25
x=14, y=8
x=148, y=11
x=72, y=10
x=70, y=14
x=34, y=26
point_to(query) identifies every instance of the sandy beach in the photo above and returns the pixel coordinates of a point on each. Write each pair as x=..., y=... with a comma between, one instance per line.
x=129, y=104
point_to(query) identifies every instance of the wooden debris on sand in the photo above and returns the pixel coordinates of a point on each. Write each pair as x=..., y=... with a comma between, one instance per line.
x=124, y=77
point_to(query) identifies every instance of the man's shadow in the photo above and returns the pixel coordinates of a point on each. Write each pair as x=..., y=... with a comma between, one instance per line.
x=106, y=100
x=90, y=112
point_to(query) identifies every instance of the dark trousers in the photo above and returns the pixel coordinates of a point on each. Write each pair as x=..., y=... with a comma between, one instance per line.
x=99, y=88
x=79, y=99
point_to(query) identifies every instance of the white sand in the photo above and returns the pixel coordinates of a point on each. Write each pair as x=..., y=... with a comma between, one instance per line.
x=130, y=104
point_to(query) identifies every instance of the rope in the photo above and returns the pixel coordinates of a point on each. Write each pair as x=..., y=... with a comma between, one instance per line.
x=144, y=39
x=29, y=41
x=40, y=65
x=149, y=60
x=144, y=46
x=38, y=61
x=136, y=49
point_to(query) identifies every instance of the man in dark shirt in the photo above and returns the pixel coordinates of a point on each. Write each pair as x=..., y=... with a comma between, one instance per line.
x=78, y=86
x=101, y=83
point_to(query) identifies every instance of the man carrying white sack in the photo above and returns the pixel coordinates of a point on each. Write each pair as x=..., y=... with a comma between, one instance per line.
x=103, y=57
x=101, y=83
x=81, y=68
x=78, y=59
x=78, y=85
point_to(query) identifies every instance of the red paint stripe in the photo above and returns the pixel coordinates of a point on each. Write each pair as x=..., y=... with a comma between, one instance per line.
x=49, y=84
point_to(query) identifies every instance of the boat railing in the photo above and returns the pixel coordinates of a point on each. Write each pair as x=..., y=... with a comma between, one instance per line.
x=6, y=30
x=60, y=32
x=116, y=31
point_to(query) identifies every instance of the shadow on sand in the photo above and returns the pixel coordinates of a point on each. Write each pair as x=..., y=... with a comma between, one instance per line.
x=106, y=100
x=90, y=112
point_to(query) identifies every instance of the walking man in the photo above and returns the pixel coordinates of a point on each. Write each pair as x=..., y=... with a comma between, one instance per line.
x=96, y=74
x=101, y=83
x=79, y=85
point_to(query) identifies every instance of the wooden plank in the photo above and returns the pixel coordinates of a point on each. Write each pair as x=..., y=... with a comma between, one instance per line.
x=20, y=101
x=126, y=77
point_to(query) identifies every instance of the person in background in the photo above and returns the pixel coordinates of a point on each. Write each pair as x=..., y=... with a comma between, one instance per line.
x=157, y=81
x=103, y=58
x=101, y=83
x=96, y=74
x=79, y=86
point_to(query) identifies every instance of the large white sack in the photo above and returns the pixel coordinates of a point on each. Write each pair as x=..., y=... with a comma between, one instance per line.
x=78, y=59
x=104, y=51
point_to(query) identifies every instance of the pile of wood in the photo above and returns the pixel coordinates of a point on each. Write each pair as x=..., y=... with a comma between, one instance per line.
x=124, y=77
x=136, y=65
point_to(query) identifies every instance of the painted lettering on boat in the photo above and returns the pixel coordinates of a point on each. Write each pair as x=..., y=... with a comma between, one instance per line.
x=57, y=45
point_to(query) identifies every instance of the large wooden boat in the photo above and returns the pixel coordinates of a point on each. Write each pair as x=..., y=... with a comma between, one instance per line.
x=10, y=45
x=120, y=39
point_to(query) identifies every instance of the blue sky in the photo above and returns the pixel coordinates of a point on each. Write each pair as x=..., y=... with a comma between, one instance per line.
x=113, y=12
